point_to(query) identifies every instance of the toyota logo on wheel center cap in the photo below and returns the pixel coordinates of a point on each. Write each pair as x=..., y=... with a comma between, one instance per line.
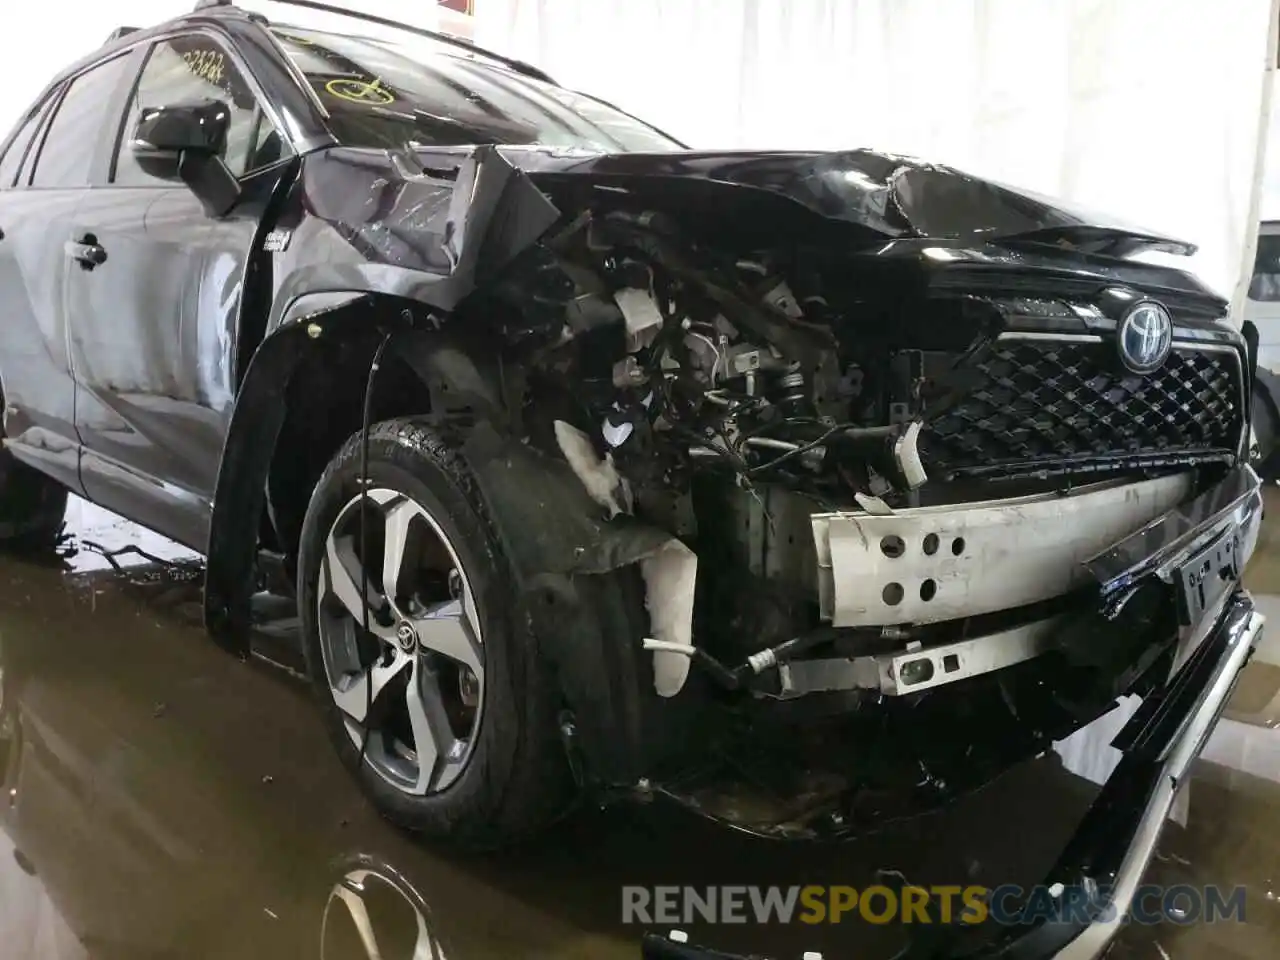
x=406, y=636
x=1145, y=337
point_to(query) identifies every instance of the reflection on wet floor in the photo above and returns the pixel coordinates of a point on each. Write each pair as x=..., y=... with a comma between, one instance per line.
x=166, y=800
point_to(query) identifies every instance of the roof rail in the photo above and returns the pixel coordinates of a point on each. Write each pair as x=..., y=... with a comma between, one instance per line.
x=119, y=32
x=517, y=65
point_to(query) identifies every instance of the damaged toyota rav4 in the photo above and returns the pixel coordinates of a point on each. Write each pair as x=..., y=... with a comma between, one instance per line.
x=806, y=489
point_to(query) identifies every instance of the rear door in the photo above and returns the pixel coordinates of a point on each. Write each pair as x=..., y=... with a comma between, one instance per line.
x=154, y=324
x=46, y=172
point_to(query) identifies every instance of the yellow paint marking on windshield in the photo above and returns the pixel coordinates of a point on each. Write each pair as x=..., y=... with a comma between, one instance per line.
x=369, y=92
x=209, y=65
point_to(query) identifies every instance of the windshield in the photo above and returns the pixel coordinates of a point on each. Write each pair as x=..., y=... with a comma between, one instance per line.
x=386, y=93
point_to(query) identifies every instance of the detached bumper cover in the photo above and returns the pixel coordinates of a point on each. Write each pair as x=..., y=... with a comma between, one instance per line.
x=1115, y=841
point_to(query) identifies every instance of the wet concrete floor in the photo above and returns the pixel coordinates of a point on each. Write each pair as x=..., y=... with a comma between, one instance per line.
x=165, y=800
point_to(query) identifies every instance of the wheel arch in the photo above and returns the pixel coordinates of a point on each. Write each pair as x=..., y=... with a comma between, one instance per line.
x=567, y=560
x=301, y=398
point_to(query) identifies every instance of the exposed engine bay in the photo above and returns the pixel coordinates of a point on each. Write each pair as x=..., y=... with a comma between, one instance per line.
x=737, y=374
x=873, y=489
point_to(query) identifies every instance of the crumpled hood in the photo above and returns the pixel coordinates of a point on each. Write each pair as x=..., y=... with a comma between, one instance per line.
x=897, y=197
x=451, y=217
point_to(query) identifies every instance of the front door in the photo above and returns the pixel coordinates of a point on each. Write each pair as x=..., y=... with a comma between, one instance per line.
x=154, y=321
x=46, y=173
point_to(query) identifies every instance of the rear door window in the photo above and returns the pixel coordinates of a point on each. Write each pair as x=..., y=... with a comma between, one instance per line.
x=33, y=149
x=11, y=162
x=71, y=140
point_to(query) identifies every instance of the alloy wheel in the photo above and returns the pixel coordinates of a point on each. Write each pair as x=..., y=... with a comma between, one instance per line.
x=411, y=688
x=407, y=931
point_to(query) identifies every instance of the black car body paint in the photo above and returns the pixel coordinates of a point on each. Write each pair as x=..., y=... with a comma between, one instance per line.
x=198, y=377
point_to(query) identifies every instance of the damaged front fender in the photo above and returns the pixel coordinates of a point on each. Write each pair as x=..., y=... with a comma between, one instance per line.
x=358, y=224
x=428, y=229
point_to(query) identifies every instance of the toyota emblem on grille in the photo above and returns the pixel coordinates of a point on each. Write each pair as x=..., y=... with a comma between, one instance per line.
x=1145, y=337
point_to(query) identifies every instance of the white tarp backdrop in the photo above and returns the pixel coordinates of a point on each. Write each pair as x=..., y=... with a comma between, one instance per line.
x=1147, y=109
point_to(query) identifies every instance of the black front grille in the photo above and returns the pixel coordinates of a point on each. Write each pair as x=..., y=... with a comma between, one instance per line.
x=1020, y=407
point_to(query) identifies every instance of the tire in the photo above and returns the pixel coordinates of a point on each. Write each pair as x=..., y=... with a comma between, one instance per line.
x=32, y=507
x=516, y=777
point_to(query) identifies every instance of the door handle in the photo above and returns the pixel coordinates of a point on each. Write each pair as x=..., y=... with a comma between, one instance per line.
x=87, y=252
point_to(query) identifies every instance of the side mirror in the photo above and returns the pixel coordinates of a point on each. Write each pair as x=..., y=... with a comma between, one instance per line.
x=185, y=142
x=193, y=129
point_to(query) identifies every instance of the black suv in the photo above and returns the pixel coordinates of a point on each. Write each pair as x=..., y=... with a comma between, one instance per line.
x=802, y=488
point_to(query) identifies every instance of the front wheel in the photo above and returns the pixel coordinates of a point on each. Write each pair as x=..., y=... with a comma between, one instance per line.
x=441, y=707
